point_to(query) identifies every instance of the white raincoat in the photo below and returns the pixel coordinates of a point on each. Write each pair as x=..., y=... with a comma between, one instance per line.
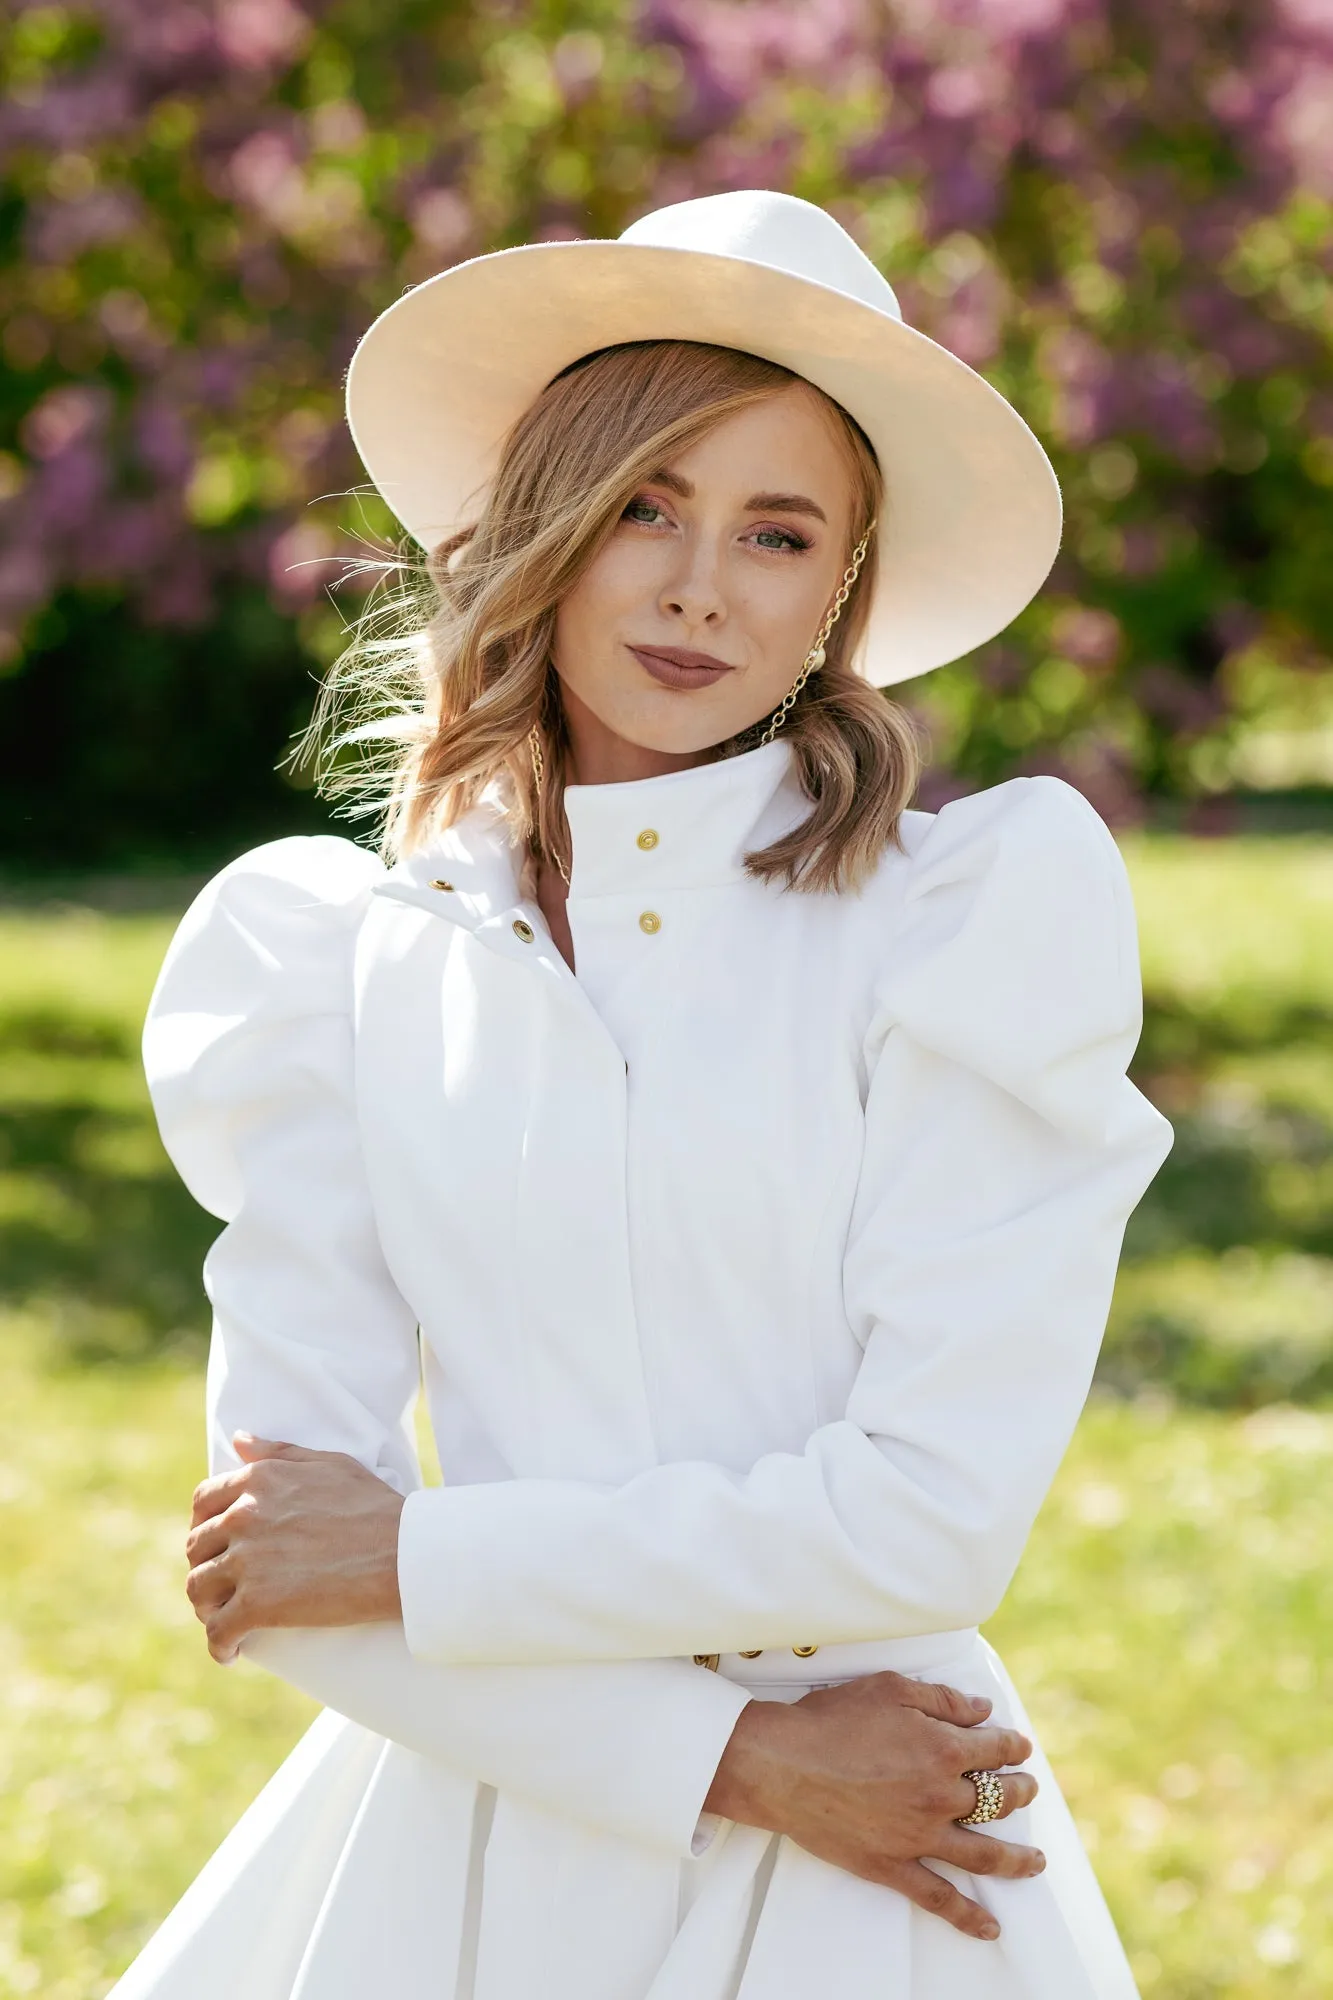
x=759, y=1270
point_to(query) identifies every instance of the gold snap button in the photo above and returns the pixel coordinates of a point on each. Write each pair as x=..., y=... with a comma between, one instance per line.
x=439, y=884
x=804, y=1652
x=708, y=1660
x=648, y=839
x=754, y=1655
x=650, y=922
x=523, y=930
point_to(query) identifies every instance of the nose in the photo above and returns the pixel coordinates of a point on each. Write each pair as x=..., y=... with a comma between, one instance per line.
x=693, y=591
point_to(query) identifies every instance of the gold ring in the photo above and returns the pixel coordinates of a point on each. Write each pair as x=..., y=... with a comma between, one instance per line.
x=990, y=1798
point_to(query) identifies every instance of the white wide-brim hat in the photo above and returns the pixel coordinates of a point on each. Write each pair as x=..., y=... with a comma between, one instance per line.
x=971, y=518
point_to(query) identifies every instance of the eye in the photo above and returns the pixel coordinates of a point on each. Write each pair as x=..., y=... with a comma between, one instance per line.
x=646, y=512
x=780, y=539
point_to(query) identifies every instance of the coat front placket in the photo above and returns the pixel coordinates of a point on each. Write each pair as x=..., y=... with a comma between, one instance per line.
x=535, y=1040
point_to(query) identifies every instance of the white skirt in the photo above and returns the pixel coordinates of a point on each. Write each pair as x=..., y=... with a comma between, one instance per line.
x=365, y=1869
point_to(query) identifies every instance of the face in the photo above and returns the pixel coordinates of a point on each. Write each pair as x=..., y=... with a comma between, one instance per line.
x=695, y=617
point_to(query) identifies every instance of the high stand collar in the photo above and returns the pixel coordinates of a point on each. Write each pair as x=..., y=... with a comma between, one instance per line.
x=687, y=829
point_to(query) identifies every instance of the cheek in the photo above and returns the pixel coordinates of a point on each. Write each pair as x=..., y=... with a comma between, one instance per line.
x=589, y=617
x=781, y=614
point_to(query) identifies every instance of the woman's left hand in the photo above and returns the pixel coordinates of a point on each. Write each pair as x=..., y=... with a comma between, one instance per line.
x=292, y=1537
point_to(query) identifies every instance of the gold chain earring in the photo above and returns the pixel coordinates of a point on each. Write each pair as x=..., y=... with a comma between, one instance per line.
x=815, y=658
x=538, y=774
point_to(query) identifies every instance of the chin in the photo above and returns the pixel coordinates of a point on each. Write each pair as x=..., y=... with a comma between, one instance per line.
x=683, y=731
x=678, y=742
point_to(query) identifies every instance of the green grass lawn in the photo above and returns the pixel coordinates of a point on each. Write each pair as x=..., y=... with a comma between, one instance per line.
x=1227, y=1289
x=1170, y=1622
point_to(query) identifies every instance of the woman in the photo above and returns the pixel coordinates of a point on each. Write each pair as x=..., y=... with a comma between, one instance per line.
x=752, y=1154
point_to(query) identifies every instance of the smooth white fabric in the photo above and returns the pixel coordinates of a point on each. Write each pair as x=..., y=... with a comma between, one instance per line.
x=760, y=1270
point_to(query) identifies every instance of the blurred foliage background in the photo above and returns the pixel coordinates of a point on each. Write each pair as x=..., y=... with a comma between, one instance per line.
x=1120, y=213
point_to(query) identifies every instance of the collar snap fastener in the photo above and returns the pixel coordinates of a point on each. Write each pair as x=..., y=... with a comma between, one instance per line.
x=523, y=931
x=650, y=922
x=804, y=1652
x=648, y=839
x=708, y=1660
x=440, y=883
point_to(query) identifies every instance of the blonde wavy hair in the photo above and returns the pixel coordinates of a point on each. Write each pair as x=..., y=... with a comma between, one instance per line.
x=449, y=671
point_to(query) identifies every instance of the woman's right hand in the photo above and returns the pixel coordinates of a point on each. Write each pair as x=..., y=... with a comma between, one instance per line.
x=868, y=1776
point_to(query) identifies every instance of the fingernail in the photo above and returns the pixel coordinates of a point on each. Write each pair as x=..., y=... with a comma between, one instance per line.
x=979, y=1702
x=1039, y=1864
x=991, y=1931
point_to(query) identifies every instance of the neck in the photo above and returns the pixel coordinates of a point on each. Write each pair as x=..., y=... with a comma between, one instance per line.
x=597, y=756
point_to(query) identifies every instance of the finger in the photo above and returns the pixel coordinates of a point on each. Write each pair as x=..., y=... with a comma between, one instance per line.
x=1019, y=1788
x=931, y=1892
x=209, y=1539
x=946, y=1704
x=990, y=1749
x=215, y=1495
x=980, y=1854
x=226, y=1629
x=252, y=1448
x=209, y=1588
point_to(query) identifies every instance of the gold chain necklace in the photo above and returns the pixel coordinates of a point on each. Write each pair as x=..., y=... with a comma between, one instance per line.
x=815, y=658
x=538, y=773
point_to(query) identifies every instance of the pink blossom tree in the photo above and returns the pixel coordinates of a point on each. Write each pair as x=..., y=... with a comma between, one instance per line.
x=1120, y=213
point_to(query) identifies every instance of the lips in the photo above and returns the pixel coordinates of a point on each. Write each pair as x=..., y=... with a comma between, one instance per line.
x=679, y=667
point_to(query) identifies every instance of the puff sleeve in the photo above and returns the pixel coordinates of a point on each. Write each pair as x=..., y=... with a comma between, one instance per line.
x=1004, y=1150
x=248, y=1049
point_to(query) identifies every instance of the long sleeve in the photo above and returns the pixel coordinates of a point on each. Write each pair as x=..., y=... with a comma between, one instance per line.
x=1004, y=1151
x=248, y=1050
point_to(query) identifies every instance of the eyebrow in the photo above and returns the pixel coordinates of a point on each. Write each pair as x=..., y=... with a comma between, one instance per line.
x=758, y=503
x=784, y=503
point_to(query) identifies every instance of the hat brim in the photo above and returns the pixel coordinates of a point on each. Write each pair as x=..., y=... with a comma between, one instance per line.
x=971, y=522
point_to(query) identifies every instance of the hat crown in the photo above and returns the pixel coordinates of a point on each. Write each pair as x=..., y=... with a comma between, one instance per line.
x=779, y=230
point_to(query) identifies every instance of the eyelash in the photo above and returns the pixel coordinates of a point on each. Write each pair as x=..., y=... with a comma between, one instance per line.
x=796, y=543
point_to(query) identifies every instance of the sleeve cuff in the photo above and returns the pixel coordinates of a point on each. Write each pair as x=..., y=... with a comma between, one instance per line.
x=628, y=1745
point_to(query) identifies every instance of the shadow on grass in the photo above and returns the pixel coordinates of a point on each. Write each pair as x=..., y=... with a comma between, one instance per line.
x=1171, y=1352
x=100, y=1245
x=1175, y=1035
x=1253, y=1154
x=1235, y=1235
